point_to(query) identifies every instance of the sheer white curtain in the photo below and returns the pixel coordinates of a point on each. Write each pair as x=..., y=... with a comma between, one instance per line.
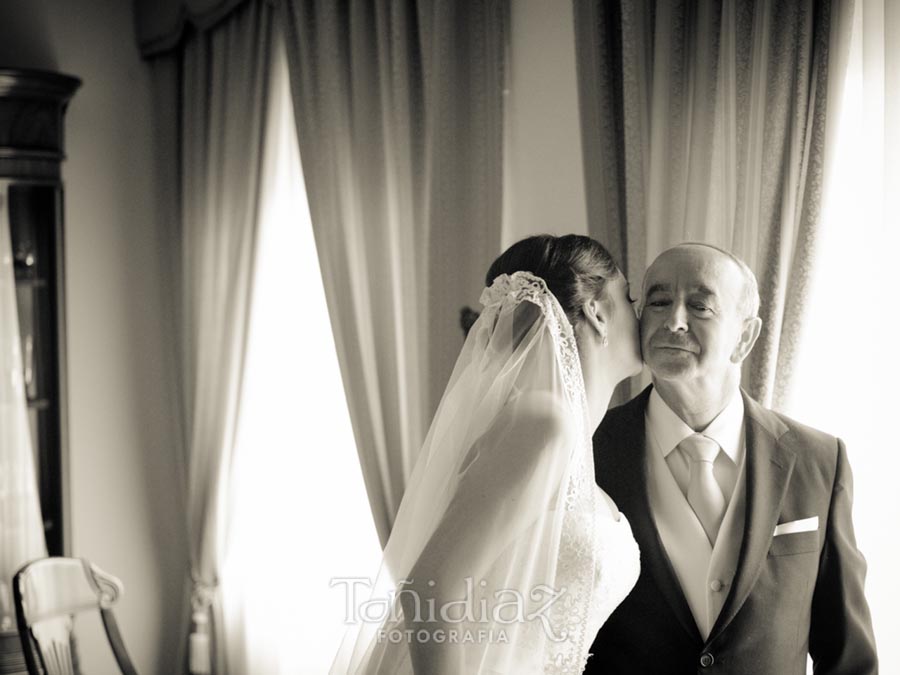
x=21, y=525
x=847, y=369
x=298, y=509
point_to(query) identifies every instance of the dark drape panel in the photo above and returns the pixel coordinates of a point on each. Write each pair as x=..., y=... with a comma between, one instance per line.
x=160, y=24
x=166, y=78
x=466, y=48
x=602, y=80
x=399, y=109
x=709, y=121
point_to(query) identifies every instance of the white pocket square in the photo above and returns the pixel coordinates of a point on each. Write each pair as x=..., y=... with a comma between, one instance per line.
x=804, y=525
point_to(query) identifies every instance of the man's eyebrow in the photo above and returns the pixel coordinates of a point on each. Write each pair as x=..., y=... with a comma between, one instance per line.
x=705, y=291
x=658, y=288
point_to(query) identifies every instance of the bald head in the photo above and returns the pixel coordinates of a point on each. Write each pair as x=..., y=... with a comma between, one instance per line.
x=748, y=295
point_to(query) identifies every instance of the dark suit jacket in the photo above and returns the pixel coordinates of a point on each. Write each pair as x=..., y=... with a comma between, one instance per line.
x=792, y=594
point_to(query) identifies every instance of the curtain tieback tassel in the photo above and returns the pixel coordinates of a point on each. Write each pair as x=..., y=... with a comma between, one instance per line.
x=199, y=645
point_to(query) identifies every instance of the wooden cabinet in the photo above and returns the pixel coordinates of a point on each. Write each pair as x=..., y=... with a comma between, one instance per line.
x=32, y=106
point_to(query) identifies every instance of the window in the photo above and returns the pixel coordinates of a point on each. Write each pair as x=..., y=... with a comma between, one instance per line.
x=298, y=508
x=847, y=372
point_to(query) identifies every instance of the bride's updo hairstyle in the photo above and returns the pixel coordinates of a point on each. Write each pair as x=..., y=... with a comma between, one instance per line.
x=575, y=268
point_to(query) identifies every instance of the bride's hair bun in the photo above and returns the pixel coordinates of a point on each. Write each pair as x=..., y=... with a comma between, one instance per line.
x=575, y=268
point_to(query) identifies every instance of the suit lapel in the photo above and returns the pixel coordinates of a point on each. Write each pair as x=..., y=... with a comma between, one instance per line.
x=626, y=463
x=768, y=470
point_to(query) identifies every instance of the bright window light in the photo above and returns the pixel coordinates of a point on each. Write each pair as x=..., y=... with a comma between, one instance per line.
x=298, y=508
x=847, y=371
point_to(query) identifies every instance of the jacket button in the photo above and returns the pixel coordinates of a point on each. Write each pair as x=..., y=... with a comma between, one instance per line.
x=707, y=660
x=716, y=585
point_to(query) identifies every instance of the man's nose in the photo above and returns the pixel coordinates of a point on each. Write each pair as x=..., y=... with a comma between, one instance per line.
x=676, y=321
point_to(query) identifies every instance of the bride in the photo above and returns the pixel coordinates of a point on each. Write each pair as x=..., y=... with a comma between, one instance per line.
x=505, y=556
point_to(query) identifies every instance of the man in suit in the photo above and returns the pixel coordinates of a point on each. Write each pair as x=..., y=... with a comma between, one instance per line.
x=742, y=515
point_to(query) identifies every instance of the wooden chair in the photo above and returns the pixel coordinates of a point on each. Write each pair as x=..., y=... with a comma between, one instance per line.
x=48, y=593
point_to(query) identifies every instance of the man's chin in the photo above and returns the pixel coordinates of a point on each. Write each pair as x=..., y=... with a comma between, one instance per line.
x=671, y=368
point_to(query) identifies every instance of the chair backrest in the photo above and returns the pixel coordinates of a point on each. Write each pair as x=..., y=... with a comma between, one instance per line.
x=48, y=593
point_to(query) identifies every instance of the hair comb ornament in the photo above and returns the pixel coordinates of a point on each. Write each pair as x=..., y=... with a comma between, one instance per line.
x=518, y=286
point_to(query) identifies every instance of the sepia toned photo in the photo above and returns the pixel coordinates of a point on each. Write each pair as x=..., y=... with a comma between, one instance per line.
x=431, y=337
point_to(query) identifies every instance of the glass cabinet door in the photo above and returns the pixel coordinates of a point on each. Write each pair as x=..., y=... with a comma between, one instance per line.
x=32, y=214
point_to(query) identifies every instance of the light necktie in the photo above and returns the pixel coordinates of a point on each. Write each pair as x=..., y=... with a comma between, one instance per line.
x=704, y=494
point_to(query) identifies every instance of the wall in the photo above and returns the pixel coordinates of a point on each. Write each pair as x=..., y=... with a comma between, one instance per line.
x=125, y=509
x=544, y=190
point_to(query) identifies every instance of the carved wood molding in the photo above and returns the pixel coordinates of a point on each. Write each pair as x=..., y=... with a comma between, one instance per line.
x=32, y=104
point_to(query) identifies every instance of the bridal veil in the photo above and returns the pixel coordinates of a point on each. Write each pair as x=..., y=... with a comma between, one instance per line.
x=487, y=564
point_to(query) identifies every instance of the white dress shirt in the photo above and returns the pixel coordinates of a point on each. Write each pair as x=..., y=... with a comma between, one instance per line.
x=727, y=429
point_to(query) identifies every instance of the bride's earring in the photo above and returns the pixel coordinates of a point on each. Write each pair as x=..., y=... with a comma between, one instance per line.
x=604, y=337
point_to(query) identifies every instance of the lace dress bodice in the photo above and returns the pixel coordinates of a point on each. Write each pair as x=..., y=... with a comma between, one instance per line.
x=617, y=562
x=599, y=564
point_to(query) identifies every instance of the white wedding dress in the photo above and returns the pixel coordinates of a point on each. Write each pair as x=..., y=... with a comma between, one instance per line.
x=503, y=495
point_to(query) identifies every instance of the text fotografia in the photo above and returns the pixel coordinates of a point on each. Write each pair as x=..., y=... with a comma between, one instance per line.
x=440, y=636
x=500, y=608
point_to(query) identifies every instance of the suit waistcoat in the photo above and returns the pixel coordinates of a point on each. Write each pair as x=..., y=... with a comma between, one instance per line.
x=705, y=572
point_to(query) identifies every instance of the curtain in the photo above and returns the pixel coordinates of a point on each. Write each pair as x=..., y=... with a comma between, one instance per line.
x=212, y=95
x=846, y=373
x=708, y=121
x=399, y=109
x=161, y=24
x=165, y=70
x=21, y=525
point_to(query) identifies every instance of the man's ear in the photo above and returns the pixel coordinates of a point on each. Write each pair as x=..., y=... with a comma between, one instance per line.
x=597, y=315
x=749, y=335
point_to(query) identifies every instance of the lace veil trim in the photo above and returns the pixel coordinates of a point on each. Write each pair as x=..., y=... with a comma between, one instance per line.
x=576, y=566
